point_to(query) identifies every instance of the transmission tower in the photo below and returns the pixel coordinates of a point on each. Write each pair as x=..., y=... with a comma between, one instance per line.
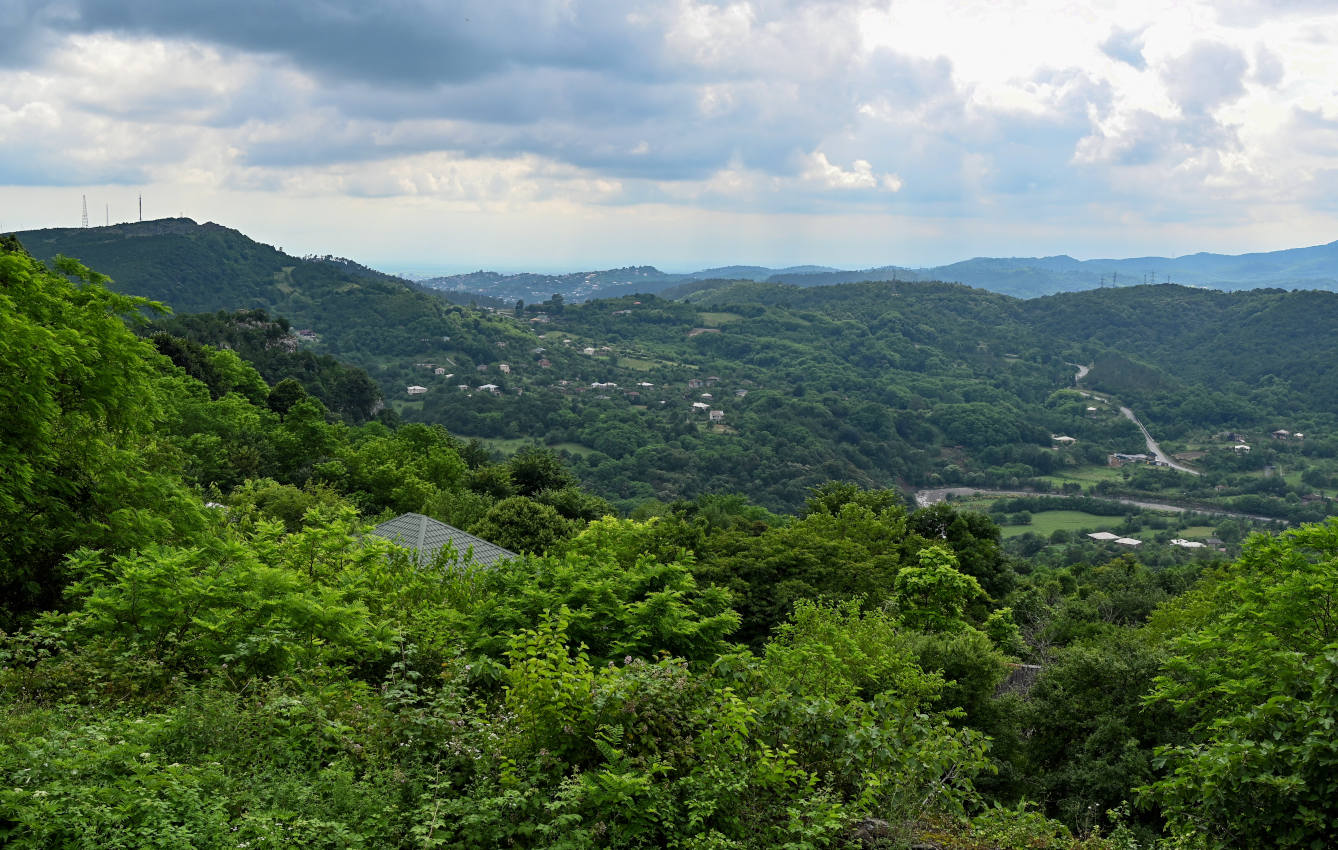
x=85, y=219
x=141, y=207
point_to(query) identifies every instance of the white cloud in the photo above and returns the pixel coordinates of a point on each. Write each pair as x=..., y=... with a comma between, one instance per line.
x=860, y=175
x=1059, y=113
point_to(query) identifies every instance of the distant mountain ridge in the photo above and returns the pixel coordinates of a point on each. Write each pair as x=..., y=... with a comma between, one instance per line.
x=1314, y=267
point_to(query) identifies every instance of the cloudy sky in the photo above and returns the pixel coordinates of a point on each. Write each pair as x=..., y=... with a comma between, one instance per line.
x=573, y=134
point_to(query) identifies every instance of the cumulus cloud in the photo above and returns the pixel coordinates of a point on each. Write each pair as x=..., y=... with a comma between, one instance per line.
x=1126, y=46
x=1268, y=67
x=1206, y=76
x=740, y=105
x=860, y=175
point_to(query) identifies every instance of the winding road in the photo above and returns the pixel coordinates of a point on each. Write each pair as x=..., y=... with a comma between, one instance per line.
x=930, y=496
x=1152, y=444
x=1129, y=414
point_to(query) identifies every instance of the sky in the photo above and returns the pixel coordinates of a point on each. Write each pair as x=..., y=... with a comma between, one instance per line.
x=559, y=135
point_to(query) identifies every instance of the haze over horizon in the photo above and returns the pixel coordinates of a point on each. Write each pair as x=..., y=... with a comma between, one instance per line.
x=559, y=136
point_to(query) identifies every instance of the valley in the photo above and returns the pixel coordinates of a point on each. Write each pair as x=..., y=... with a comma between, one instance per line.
x=851, y=511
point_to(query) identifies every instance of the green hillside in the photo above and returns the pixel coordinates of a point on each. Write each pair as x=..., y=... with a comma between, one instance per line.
x=203, y=643
x=888, y=384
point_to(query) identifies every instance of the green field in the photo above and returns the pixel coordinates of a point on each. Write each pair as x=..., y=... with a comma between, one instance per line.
x=1085, y=475
x=636, y=363
x=715, y=320
x=1196, y=531
x=1047, y=522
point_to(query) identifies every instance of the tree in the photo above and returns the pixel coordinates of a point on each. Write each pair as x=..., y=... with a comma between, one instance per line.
x=1253, y=671
x=284, y=395
x=933, y=596
x=535, y=469
x=81, y=406
x=522, y=525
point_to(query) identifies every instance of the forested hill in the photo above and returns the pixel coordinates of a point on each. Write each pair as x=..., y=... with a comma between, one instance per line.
x=204, y=642
x=888, y=384
x=207, y=267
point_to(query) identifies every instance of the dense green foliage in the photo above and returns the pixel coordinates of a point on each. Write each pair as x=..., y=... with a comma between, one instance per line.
x=710, y=673
x=887, y=384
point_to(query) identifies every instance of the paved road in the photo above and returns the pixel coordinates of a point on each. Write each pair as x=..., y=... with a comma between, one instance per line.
x=927, y=497
x=1129, y=414
x=1152, y=444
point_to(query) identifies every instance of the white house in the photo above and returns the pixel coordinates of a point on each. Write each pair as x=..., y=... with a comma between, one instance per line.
x=417, y=390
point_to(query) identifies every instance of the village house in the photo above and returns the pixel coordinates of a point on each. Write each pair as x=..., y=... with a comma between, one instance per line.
x=1063, y=439
x=440, y=370
x=588, y=351
x=545, y=363
x=740, y=393
x=492, y=388
x=504, y=368
x=695, y=384
x=482, y=367
x=717, y=415
x=700, y=405
x=416, y=390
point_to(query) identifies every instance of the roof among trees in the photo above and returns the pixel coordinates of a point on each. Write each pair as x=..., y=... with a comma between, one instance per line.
x=427, y=537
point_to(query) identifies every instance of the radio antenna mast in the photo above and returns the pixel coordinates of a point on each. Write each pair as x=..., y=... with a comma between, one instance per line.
x=85, y=218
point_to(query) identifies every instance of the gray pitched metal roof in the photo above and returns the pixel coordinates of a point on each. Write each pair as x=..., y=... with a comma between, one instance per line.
x=426, y=537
